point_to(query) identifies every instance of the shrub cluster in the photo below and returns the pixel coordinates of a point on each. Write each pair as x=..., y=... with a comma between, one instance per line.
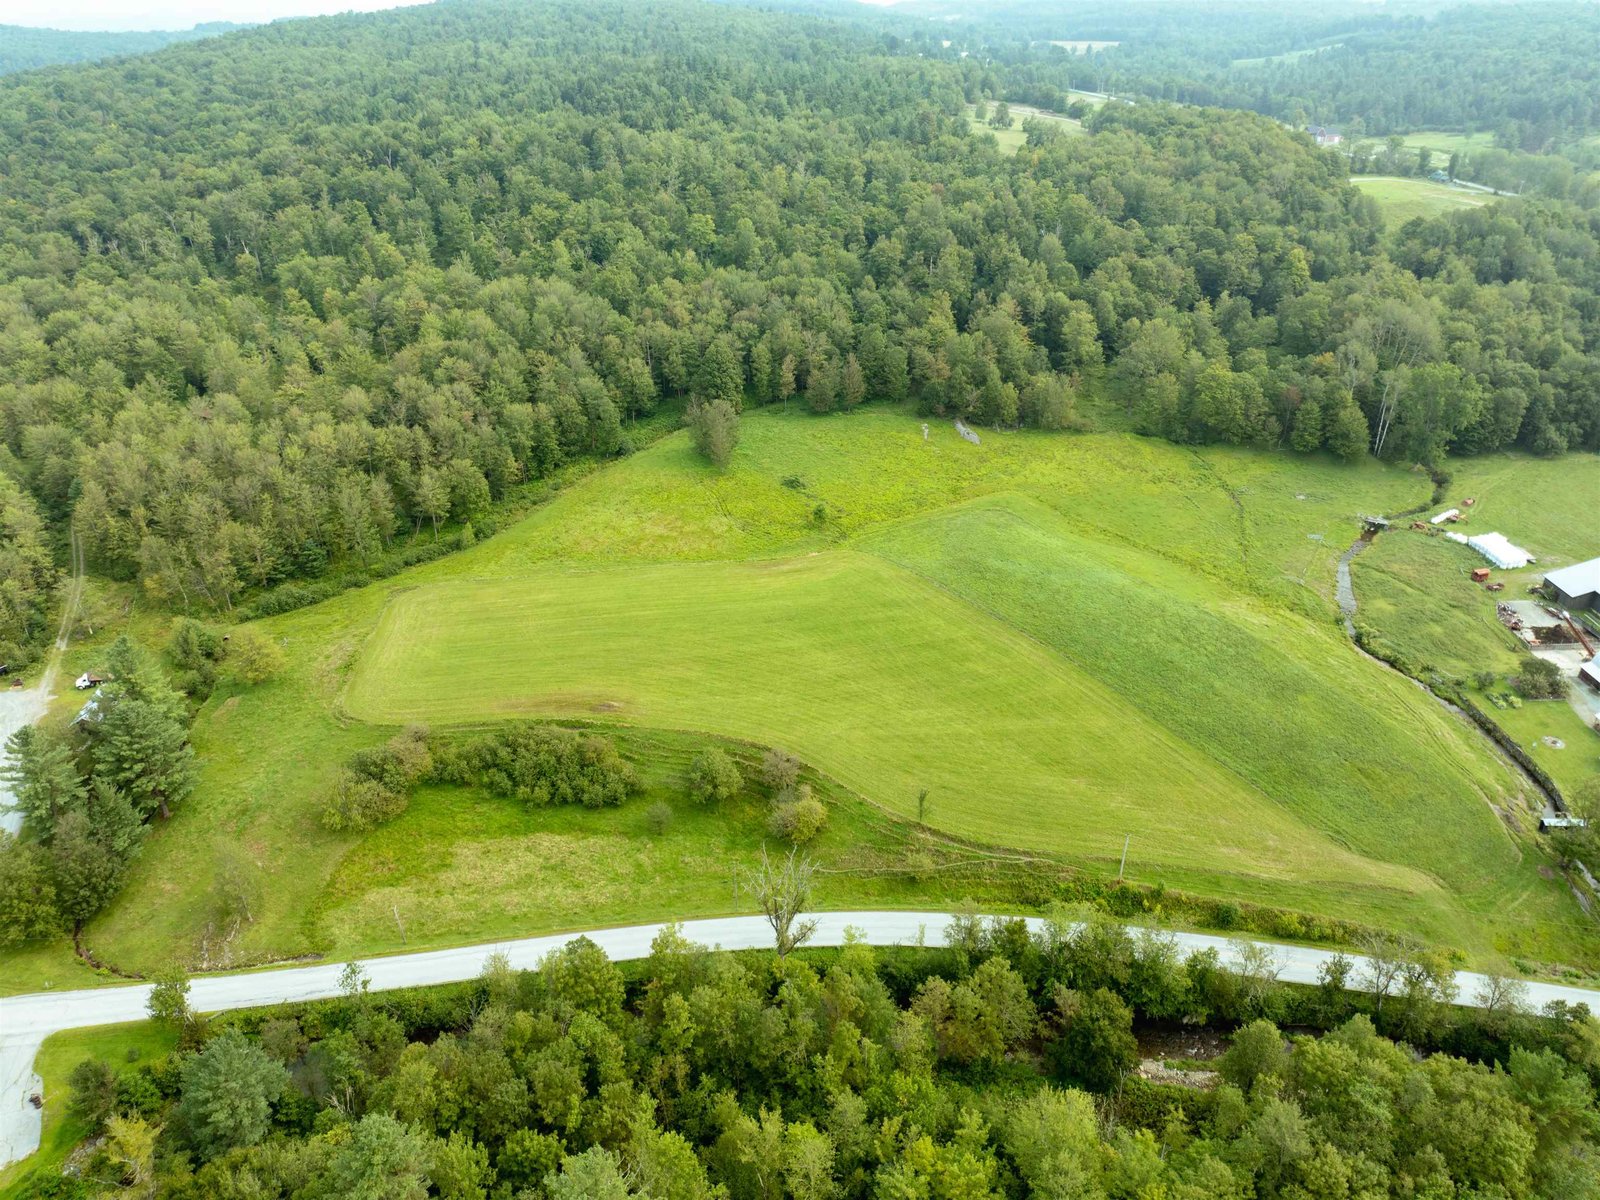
x=375, y=785
x=797, y=816
x=540, y=765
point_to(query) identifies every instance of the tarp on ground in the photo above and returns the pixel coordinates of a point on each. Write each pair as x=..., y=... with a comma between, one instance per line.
x=1498, y=550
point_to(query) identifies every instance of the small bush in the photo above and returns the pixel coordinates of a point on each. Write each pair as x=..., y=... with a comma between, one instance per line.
x=779, y=771
x=194, y=644
x=800, y=821
x=254, y=657
x=658, y=817
x=713, y=777
x=375, y=786
x=1540, y=680
x=358, y=804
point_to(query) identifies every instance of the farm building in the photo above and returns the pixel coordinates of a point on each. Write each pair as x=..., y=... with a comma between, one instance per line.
x=1576, y=587
x=1324, y=136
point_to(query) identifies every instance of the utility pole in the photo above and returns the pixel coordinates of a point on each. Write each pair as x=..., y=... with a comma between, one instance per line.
x=1124, y=864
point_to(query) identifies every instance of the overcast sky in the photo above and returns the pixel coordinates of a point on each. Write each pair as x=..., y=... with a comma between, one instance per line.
x=170, y=14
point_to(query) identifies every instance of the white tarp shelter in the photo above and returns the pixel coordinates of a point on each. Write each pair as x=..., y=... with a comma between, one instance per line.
x=1499, y=551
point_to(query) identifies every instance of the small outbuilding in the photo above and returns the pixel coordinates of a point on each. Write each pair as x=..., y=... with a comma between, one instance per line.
x=1576, y=587
x=1590, y=673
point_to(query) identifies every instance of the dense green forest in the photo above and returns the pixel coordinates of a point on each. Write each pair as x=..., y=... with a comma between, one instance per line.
x=998, y=1068
x=273, y=300
x=1524, y=70
x=22, y=47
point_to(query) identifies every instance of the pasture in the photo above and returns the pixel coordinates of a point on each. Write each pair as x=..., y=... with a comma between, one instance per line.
x=1065, y=638
x=1400, y=199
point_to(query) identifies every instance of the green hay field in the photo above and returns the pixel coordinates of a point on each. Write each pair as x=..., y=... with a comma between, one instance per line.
x=1066, y=639
x=850, y=662
x=1400, y=199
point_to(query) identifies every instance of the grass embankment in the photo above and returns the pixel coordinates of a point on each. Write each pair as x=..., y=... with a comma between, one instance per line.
x=1400, y=199
x=1416, y=590
x=1054, y=682
x=119, y=1045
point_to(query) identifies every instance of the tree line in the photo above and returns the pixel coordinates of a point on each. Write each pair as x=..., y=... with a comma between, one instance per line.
x=1520, y=71
x=1000, y=1067
x=277, y=300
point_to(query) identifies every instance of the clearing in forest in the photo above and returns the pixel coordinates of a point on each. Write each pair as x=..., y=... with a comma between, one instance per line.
x=1400, y=199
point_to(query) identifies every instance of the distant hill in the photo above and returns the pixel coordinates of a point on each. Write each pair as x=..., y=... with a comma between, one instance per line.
x=22, y=48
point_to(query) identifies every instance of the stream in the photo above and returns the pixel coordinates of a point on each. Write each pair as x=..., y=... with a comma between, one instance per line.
x=1345, y=592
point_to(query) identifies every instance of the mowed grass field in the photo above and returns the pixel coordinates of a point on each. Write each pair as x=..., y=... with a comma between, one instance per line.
x=1400, y=199
x=1067, y=639
x=841, y=657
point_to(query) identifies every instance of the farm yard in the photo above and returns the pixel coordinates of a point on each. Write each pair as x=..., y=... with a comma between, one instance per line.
x=1416, y=593
x=1400, y=199
x=1065, y=639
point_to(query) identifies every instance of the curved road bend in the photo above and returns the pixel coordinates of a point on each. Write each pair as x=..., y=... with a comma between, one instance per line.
x=25, y=1021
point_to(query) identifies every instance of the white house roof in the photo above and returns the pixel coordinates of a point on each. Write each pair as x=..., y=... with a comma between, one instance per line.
x=1590, y=672
x=1499, y=551
x=1577, y=580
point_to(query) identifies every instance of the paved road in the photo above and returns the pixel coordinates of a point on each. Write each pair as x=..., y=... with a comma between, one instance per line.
x=25, y=1021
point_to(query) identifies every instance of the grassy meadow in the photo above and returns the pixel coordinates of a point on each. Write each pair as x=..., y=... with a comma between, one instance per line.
x=1400, y=199
x=1065, y=638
